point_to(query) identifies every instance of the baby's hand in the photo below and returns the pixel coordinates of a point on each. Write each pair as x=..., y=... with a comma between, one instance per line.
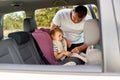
x=67, y=53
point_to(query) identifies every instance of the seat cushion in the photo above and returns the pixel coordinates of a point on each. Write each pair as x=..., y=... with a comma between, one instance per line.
x=9, y=52
x=27, y=47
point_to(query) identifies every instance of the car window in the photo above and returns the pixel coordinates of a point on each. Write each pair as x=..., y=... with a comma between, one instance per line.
x=13, y=22
x=107, y=13
x=44, y=16
x=95, y=10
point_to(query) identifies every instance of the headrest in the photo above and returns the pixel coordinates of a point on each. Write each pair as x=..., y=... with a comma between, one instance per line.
x=29, y=24
x=45, y=29
x=20, y=37
x=91, y=32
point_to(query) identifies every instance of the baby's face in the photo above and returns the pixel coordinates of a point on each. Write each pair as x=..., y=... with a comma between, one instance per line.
x=58, y=36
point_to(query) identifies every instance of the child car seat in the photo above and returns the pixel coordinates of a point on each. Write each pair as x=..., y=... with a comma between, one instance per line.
x=45, y=44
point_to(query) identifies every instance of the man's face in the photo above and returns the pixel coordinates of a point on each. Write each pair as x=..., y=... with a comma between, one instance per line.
x=75, y=18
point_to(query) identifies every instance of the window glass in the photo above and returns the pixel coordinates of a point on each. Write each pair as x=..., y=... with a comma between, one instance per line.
x=44, y=16
x=13, y=22
x=95, y=9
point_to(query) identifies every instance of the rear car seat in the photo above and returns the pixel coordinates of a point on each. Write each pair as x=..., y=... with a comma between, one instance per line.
x=9, y=52
x=27, y=47
x=30, y=26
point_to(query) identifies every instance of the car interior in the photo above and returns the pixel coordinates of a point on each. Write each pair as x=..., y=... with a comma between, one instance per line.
x=20, y=48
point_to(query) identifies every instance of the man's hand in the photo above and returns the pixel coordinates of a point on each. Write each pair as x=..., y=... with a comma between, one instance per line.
x=76, y=50
x=79, y=48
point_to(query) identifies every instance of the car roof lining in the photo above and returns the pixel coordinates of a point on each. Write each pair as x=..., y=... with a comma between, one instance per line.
x=7, y=6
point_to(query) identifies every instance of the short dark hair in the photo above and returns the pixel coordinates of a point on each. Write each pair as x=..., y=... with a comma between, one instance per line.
x=81, y=10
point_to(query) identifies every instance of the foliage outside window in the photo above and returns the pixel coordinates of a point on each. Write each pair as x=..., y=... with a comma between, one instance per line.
x=44, y=16
x=95, y=10
x=13, y=22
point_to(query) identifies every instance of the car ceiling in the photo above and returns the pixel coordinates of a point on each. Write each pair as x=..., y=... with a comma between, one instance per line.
x=7, y=6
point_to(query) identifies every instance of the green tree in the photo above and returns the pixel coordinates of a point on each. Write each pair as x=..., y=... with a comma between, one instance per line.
x=13, y=21
x=44, y=16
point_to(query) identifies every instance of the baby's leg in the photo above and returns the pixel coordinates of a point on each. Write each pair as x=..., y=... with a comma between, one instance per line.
x=70, y=63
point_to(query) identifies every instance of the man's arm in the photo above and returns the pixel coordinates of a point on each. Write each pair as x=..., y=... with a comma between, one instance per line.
x=79, y=48
x=69, y=43
x=83, y=47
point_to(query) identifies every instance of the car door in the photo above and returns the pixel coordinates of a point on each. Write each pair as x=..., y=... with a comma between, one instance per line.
x=110, y=37
x=109, y=70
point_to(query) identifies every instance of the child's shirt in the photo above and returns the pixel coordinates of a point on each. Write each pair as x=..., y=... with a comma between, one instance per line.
x=60, y=46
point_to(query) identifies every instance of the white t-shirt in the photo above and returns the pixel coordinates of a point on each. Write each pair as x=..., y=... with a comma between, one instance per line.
x=72, y=31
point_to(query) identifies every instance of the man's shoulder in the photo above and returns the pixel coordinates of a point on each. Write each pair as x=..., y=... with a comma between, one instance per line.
x=64, y=11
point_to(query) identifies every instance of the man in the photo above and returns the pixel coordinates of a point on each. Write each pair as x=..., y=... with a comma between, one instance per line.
x=71, y=21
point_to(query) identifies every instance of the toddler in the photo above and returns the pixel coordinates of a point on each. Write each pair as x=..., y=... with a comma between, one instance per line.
x=60, y=46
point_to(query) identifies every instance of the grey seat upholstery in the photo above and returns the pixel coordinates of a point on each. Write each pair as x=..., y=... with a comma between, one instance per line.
x=9, y=52
x=29, y=24
x=27, y=48
x=92, y=39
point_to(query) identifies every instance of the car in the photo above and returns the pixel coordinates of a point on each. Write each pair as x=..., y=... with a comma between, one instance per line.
x=12, y=67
